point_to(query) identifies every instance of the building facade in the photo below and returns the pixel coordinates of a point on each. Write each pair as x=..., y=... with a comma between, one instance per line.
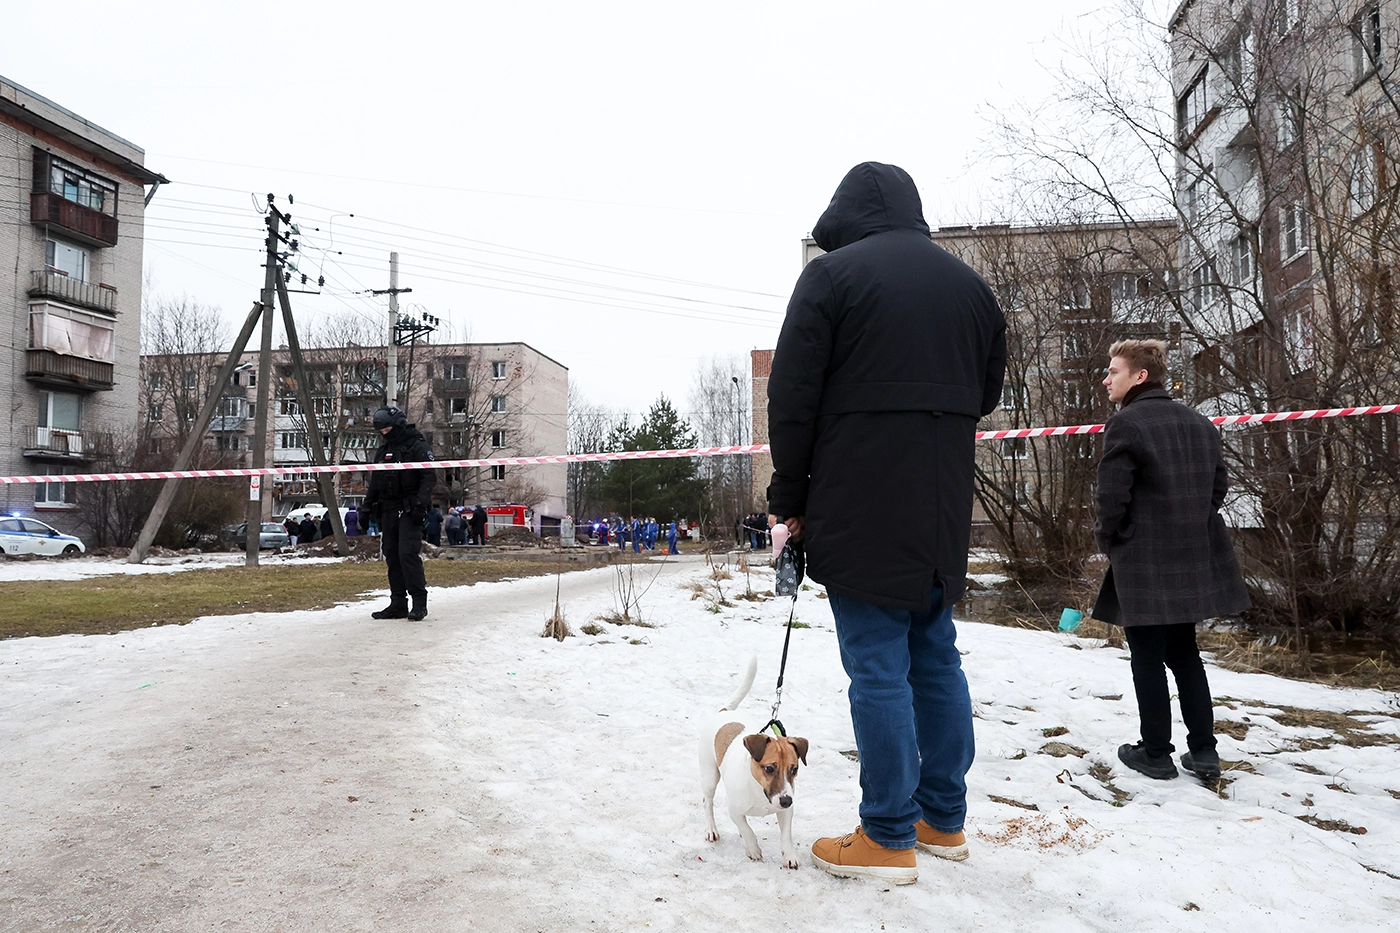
x=471, y=401
x=73, y=206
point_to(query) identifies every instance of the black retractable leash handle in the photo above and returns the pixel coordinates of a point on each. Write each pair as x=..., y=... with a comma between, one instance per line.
x=787, y=582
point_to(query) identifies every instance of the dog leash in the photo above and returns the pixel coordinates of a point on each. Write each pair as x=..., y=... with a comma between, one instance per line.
x=774, y=722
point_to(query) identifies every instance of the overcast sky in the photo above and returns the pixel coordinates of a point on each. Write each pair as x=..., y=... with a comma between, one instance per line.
x=516, y=154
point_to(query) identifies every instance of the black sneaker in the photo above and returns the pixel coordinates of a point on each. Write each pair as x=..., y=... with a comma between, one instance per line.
x=391, y=611
x=1205, y=764
x=1159, y=767
x=419, y=612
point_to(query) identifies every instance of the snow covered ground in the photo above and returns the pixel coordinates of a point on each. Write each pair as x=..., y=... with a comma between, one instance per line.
x=322, y=771
x=82, y=568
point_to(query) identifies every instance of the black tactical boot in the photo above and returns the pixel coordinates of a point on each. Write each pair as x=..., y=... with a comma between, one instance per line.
x=395, y=610
x=1205, y=764
x=1154, y=766
x=420, y=608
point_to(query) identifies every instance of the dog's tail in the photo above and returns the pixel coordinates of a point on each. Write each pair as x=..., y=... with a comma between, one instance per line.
x=743, y=690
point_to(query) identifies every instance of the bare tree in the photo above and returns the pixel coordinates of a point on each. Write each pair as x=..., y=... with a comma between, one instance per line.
x=720, y=404
x=1276, y=153
x=590, y=426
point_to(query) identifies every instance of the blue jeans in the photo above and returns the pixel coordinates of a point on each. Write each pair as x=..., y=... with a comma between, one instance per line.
x=912, y=716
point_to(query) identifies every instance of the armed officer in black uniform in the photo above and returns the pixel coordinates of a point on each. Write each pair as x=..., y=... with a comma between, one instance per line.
x=399, y=500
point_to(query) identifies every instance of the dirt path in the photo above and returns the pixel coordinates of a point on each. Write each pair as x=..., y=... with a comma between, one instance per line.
x=266, y=772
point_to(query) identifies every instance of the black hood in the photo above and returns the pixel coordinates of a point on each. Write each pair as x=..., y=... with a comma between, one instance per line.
x=872, y=198
x=400, y=435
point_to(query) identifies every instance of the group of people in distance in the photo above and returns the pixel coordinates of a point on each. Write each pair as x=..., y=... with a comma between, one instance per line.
x=463, y=524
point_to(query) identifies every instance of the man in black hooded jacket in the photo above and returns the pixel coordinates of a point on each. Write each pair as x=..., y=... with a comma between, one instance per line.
x=399, y=500
x=890, y=352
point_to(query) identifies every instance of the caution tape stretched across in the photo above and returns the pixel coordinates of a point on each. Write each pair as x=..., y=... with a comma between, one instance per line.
x=1222, y=420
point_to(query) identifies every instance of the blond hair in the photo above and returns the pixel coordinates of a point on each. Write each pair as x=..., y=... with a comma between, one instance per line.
x=1150, y=355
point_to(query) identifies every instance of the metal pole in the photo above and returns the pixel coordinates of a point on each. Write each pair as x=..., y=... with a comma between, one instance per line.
x=391, y=387
x=254, y=513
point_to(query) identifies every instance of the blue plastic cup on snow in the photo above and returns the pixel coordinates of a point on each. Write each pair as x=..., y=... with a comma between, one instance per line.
x=1070, y=619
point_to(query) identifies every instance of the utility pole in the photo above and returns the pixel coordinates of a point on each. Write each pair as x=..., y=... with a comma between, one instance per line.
x=391, y=353
x=273, y=289
x=257, y=491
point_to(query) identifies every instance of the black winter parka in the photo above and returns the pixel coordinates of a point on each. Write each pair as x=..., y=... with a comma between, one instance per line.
x=404, y=490
x=891, y=351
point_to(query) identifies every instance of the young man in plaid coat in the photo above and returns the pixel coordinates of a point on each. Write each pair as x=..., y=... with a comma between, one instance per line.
x=1161, y=483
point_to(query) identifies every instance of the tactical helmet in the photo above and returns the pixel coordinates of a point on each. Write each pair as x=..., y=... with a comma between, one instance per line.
x=389, y=418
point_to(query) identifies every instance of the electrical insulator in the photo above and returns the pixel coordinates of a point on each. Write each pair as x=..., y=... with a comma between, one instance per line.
x=321, y=282
x=303, y=278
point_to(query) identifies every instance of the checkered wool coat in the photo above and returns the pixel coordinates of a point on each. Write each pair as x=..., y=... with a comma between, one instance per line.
x=1161, y=483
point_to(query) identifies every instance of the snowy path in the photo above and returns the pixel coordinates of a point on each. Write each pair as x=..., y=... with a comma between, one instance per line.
x=201, y=776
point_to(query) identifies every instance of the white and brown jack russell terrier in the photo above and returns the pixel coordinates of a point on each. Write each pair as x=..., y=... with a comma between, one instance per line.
x=757, y=770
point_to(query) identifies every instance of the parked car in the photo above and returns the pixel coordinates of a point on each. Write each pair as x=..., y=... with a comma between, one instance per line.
x=31, y=536
x=273, y=535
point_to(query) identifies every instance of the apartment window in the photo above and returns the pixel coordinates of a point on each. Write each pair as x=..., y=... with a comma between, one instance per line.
x=1200, y=287
x=1293, y=230
x=1191, y=201
x=71, y=332
x=228, y=441
x=1129, y=286
x=1013, y=396
x=1078, y=395
x=428, y=407
x=1288, y=118
x=61, y=411
x=498, y=471
x=458, y=408
x=498, y=370
x=1290, y=13
x=252, y=380
x=1366, y=41
x=1242, y=260
x=66, y=259
x=1362, y=187
x=153, y=445
x=498, y=403
x=157, y=380
x=1237, y=58
x=55, y=495
x=1077, y=344
x=288, y=406
x=191, y=379
x=1191, y=107
x=498, y=439
x=456, y=369
x=80, y=186
x=1014, y=448
x=230, y=407
x=293, y=440
x=155, y=412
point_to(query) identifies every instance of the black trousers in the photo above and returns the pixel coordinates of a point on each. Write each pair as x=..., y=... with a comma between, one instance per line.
x=1154, y=649
x=401, y=542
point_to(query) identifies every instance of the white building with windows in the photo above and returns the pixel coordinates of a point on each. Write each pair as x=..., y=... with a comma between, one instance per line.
x=471, y=401
x=72, y=202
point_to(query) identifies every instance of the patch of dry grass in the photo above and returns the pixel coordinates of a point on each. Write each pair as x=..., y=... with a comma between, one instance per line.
x=103, y=605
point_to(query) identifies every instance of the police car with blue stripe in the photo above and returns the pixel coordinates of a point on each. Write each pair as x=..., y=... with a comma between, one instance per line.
x=30, y=536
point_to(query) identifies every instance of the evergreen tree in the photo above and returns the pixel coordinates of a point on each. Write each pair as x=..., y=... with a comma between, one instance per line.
x=663, y=489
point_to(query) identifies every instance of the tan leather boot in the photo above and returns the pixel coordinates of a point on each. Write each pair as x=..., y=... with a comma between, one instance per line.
x=952, y=846
x=858, y=856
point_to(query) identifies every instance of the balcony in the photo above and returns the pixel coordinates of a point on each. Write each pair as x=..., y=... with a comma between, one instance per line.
x=49, y=284
x=60, y=444
x=67, y=372
x=81, y=223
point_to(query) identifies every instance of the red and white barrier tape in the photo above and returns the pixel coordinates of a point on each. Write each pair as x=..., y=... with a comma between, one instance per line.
x=1223, y=420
